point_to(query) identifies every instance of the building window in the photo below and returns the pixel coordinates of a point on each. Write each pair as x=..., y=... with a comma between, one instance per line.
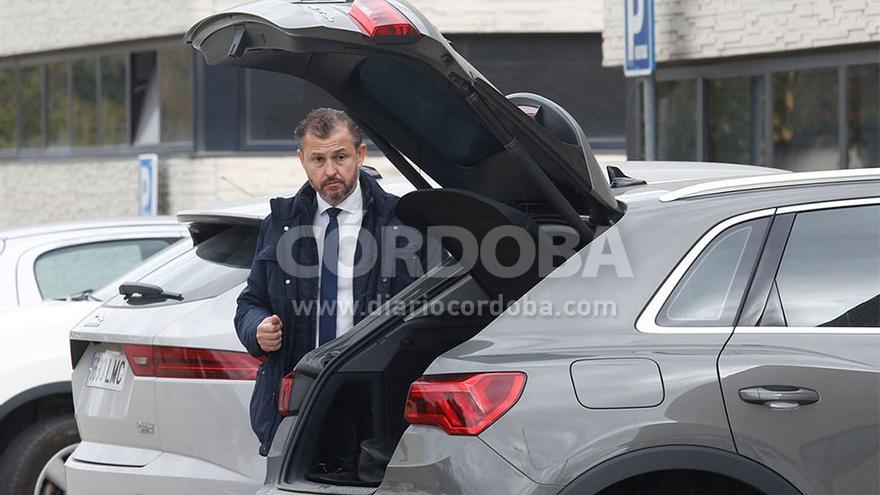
x=57, y=98
x=176, y=89
x=84, y=90
x=676, y=120
x=863, y=115
x=31, y=101
x=114, y=100
x=113, y=124
x=805, y=126
x=7, y=108
x=275, y=103
x=735, y=115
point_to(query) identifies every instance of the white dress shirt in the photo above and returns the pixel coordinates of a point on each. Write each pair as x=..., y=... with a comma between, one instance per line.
x=349, y=220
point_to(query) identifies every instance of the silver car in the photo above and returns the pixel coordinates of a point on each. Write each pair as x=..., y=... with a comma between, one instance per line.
x=698, y=336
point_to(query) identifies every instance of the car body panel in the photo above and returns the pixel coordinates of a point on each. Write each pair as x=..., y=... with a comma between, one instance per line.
x=831, y=442
x=33, y=344
x=832, y=446
x=692, y=412
x=162, y=433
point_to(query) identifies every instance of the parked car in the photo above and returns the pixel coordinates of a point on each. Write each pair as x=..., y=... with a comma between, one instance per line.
x=739, y=353
x=37, y=428
x=162, y=384
x=60, y=260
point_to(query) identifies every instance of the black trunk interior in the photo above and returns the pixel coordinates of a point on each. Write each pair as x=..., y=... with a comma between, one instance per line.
x=359, y=418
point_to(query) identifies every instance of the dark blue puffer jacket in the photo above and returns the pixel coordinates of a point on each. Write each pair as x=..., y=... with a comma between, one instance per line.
x=269, y=292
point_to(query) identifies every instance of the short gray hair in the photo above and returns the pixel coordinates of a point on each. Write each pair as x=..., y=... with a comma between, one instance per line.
x=321, y=122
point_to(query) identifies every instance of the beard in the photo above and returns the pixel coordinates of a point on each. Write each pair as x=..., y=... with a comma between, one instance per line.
x=334, y=191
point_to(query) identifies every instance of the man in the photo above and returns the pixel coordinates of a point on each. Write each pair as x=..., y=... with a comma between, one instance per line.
x=340, y=205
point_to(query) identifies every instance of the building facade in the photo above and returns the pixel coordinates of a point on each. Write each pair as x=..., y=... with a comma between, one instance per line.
x=789, y=83
x=85, y=87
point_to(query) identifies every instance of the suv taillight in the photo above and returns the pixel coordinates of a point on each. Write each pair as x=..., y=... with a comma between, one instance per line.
x=463, y=404
x=187, y=362
x=382, y=22
x=285, y=393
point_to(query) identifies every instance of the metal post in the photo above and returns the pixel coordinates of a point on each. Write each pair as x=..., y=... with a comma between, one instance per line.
x=650, y=119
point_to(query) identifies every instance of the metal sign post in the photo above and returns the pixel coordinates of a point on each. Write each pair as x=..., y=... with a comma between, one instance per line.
x=639, y=61
x=148, y=184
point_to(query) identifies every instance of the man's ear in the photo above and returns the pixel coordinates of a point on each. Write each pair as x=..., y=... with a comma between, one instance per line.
x=361, y=153
x=302, y=157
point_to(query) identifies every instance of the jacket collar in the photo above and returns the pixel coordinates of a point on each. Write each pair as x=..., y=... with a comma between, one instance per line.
x=304, y=203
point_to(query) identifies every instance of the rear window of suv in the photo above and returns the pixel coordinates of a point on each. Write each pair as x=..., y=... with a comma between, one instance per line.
x=213, y=267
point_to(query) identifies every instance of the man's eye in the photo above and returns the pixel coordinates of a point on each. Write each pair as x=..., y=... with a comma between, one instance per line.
x=341, y=157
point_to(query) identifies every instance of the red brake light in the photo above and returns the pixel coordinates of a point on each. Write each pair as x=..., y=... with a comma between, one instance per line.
x=186, y=362
x=383, y=22
x=285, y=393
x=463, y=404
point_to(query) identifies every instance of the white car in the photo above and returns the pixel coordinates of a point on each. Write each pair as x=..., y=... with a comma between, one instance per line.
x=37, y=429
x=60, y=260
x=161, y=383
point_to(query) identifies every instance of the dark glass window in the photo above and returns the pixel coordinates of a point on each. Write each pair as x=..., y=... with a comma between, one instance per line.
x=830, y=271
x=57, y=103
x=276, y=103
x=7, y=108
x=85, y=99
x=711, y=291
x=566, y=68
x=805, y=126
x=114, y=116
x=210, y=269
x=31, y=101
x=735, y=114
x=176, y=88
x=863, y=115
x=144, y=93
x=676, y=120
x=66, y=271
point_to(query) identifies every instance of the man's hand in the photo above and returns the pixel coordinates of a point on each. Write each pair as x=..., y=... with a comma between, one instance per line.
x=269, y=333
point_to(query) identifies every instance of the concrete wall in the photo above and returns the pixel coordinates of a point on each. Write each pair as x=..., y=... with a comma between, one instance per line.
x=36, y=191
x=45, y=190
x=695, y=29
x=28, y=26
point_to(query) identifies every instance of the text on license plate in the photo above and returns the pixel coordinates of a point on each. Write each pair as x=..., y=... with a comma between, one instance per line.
x=107, y=370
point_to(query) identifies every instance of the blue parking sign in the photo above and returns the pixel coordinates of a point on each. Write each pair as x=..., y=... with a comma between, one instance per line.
x=148, y=178
x=638, y=38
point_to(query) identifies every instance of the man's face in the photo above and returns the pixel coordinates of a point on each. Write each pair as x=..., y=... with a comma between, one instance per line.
x=332, y=164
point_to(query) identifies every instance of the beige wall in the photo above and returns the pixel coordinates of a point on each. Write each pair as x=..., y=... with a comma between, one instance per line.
x=45, y=190
x=694, y=29
x=28, y=26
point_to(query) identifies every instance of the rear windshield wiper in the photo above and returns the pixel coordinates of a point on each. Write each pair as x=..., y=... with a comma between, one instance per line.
x=83, y=295
x=147, y=291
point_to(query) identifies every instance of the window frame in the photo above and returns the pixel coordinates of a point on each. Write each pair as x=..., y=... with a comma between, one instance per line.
x=771, y=261
x=758, y=290
x=94, y=53
x=763, y=68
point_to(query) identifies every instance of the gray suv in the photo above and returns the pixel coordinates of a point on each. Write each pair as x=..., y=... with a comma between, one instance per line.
x=684, y=328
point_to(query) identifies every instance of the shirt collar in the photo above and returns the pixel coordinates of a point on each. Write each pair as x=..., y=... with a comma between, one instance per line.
x=352, y=203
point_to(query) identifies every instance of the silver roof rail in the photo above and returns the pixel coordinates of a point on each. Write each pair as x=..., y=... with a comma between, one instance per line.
x=771, y=181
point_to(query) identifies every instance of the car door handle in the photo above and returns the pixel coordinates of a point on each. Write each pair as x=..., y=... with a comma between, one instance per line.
x=779, y=397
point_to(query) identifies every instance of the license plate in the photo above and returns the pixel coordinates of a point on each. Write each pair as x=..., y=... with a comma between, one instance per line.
x=107, y=370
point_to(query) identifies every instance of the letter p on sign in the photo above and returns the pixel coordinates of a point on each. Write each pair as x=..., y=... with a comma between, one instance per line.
x=639, y=37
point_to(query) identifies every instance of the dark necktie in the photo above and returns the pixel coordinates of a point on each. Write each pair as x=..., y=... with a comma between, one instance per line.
x=329, y=283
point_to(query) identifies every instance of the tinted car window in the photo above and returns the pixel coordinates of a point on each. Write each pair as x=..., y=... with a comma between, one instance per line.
x=208, y=270
x=830, y=271
x=711, y=291
x=69, y=270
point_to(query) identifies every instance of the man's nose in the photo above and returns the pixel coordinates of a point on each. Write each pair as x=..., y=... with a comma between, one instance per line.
x=331, y=170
